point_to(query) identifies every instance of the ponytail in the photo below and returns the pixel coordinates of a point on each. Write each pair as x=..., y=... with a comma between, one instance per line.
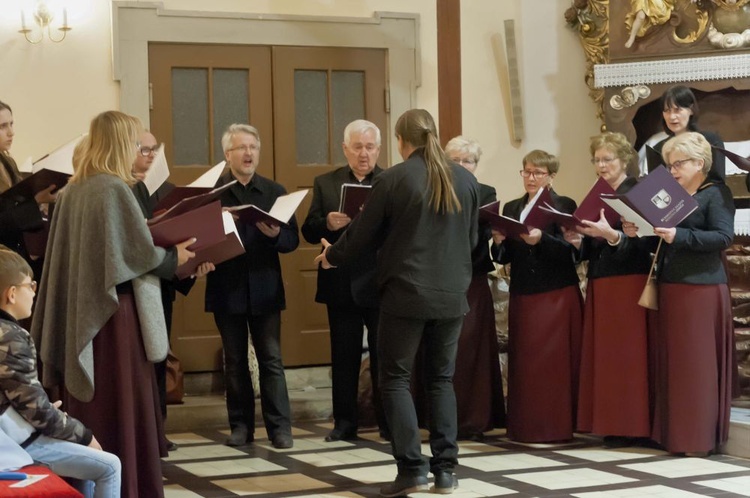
x=417, y=127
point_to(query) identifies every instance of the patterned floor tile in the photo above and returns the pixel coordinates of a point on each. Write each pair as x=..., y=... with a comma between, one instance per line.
x=646, y=491
x=738, y=485
x=684, y=467
x=230, y=467
x=492, y=463
x=359, y=456
x=289, y=483
x=571, y=478
x=605, y=455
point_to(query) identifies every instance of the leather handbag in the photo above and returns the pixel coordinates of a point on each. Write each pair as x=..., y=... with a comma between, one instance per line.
x=175, y=380
x=650, y=295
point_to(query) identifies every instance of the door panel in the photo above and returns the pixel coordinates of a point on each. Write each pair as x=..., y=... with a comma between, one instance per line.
x=317, y=92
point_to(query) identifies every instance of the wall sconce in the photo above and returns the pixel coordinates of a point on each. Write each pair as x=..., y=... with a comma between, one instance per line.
x=43, y=17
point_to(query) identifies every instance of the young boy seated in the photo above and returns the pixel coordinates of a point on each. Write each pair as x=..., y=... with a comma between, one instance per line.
x=48, y=434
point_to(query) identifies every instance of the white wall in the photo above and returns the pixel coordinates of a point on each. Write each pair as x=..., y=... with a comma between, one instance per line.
x=55, y=89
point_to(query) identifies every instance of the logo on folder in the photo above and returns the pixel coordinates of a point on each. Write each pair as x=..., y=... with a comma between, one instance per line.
x=662, y=199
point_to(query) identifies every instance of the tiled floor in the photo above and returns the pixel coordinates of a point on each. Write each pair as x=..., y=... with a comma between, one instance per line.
x=203, y=467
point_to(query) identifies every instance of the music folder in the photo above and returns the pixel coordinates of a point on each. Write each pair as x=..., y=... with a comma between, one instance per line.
x=194, y=202
x=205, y=183
x=204, y=223
x=653, y=158
x=279, y=214
x=656, y=201
x=503, y=224
x=353, y=198
x=229, y=247
x=55, y=168
x=741, y=162
x=589, y=210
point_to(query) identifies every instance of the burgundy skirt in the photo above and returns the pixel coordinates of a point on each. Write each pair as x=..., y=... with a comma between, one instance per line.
x=694, y=361
x=613, y=396
x=477, y=381
x=544, y=342
x=124, y=414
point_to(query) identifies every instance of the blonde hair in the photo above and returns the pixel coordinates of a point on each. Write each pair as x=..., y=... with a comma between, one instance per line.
x=692, y=144
x=417, y=128
x=618, y=144
x=12, y=268
x=542, y=159
x=109, y=148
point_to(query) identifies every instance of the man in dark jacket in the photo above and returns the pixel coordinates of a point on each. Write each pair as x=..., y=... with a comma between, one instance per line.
x=350, y=292
x=247, y=294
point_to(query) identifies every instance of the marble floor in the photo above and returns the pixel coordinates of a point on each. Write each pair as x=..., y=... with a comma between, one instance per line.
x=204, y=467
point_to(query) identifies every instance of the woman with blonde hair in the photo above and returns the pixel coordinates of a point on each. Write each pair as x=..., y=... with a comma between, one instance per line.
x=614, y=383
x=99, y=321
x=422, y=216
x=695, y=363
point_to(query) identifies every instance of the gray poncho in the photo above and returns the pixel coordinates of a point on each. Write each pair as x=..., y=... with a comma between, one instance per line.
x=98, y=239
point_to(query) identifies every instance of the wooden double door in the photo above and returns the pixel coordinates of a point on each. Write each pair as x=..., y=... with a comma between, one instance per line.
x=300, y=99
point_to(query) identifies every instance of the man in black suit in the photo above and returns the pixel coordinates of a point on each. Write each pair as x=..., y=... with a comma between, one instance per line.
x=350, y=292
x=247, y=294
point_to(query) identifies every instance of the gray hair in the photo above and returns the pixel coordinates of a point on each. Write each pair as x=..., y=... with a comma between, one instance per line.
x=692, y=144
x=361, y=126
x=463, y=145
x=234, y=129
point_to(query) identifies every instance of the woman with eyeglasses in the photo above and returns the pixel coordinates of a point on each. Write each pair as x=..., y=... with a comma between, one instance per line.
x=680, y=115
x=99, y=321
x=614, y=384
x=17, y=215
x=544, y=314
x=695, y=364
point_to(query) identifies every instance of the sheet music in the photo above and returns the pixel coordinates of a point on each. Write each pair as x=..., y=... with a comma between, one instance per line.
x=644, y=227
x=210, y=177
x=286, y=205
x=158, y=173
x=741, y=149
x=61, y=159
x=27, y=166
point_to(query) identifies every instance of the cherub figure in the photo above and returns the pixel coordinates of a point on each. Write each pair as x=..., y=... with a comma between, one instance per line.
x=645, y=14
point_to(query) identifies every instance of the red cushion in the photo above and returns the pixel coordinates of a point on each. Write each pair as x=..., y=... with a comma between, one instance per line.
x=52, y=486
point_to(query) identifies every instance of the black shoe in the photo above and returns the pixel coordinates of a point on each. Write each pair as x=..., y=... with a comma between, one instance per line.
x=239, y=437
x=340, y=435
x=171, y=446
x=445, y=483
x=403, y=485
x=282, y=441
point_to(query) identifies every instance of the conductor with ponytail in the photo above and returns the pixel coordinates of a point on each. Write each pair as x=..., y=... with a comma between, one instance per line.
x=422, y=218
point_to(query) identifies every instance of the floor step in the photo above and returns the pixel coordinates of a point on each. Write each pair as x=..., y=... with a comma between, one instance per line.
x=738, y=444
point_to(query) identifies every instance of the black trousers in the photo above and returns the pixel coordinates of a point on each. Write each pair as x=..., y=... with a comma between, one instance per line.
x=398, y=341
x=265, y=331
x=347, y=326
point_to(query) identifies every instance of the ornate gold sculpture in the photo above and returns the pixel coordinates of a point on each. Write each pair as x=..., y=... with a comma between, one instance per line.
x=591, y=19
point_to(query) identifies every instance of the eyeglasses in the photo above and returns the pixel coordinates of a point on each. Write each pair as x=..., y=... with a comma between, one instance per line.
x=465, y=162
x=603, y=160
x=533, y=174
x=31, y=285
x=678, y=164
x=244, y=148
x=147, y=151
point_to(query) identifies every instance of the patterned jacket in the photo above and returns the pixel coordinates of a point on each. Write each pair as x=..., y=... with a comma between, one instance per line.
x=20, y=387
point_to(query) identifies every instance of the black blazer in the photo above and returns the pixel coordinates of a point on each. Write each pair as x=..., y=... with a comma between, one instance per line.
x=624, y=259
x=546, y=266
x=251, y=283
x=718, y=166
x=17, y=215
x=353, y=283
x=424, y=259
x=481, y=261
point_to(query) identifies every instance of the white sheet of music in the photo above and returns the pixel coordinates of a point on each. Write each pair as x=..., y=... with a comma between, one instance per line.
x=286, y=205
x=158, y=173
x=61, y=159
x=27, y=166
x=210, y=177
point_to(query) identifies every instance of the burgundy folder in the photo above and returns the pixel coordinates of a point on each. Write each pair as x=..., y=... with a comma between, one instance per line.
x=741, y=162
x=589, y=210
x=506, y=226
x=31, y=185
x=177, y=194
x=353, y=198
x=204, y=223
x=230, y=247
x=656, y=201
